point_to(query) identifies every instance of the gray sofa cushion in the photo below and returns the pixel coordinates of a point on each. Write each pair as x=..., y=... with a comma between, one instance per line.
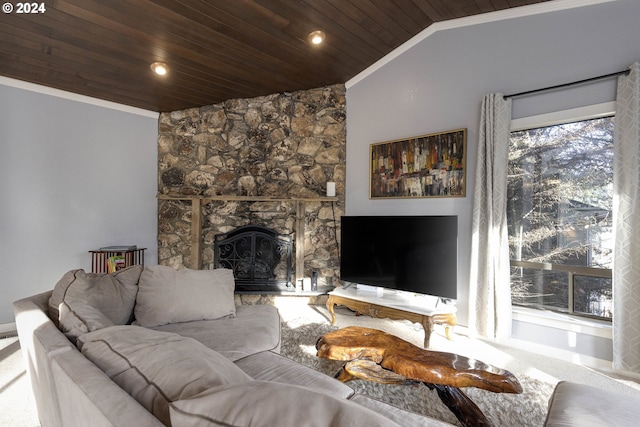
x=255, y=328
x=583, y=406
x=400, y=416
x=82, y=302
x=268, y=366
x=158, y=367
x=167, y=295
x=268, y=404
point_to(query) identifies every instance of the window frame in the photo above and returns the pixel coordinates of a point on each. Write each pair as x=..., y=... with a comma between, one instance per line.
x=595, y=111
x=589, y=112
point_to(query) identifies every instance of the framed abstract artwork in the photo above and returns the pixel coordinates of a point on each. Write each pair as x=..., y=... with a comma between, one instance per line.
x=431, y=165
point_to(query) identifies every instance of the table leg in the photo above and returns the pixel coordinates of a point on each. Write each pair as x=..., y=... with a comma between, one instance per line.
x=330, y=306
x=462, y=407
x=447, y=332
x=447, y=319
x=427, y=325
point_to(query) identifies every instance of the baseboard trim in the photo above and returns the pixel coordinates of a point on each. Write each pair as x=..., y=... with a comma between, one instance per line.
x=567, y=356
x=7, y=330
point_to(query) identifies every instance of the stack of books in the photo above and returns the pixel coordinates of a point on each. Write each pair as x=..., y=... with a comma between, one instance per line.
x=115, y=263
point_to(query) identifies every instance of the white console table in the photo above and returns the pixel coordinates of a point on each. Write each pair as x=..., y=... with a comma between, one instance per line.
x=391, y=305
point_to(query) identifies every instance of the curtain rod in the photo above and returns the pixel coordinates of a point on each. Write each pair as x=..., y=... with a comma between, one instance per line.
x=625, y=72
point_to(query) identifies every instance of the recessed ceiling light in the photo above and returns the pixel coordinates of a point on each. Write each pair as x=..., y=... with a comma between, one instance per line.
x=316, y=37
x=160, y=68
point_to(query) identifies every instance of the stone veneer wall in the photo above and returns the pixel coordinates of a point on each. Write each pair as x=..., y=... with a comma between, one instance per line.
x=282, y=146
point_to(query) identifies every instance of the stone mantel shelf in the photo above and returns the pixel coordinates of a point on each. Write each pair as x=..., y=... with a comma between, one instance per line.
x=196, y=220
x=248, y=198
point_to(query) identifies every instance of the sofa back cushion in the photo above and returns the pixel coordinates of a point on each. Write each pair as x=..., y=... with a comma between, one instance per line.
x=156, y=368
x=167, y=295
x=83, y=302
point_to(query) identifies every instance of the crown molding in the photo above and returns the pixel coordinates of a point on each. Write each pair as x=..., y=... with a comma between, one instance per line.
x=45, y=90
x=501, y=15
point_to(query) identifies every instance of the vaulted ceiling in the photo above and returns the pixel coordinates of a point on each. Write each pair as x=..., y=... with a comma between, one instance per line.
x=215, y=49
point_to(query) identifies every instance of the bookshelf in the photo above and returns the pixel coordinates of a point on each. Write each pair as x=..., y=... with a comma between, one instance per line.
x=132, y=255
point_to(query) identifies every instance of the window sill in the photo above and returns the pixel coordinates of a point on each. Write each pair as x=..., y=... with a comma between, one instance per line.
x=597, y=328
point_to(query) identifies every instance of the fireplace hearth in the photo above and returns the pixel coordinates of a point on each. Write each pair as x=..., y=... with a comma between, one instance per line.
x=260, y=258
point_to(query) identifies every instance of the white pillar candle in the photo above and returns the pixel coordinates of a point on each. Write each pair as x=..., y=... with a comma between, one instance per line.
x=331, y=189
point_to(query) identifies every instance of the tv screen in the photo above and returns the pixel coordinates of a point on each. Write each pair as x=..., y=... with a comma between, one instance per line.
x=408, y=253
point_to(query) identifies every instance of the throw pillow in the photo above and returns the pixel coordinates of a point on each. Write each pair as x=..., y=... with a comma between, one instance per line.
x=167, y=295
x=156, y=368
x=82, y=302
x=267, y=404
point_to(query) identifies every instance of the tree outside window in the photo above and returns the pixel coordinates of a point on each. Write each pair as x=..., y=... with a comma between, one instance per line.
x=559, y=217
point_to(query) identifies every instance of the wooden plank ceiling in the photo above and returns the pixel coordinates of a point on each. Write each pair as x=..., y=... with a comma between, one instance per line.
x=216, y=49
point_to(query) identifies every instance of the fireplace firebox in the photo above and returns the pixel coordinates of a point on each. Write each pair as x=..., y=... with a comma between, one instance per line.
x=259, y=257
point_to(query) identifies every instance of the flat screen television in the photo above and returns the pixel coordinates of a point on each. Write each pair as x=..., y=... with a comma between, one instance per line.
x=408, y=253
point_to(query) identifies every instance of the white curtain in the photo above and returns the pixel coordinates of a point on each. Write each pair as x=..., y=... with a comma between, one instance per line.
x=626, y=210
x=489, y=288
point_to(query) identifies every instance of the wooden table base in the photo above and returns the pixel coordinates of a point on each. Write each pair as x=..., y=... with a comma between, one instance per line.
x=374, y=355
x=380, y=311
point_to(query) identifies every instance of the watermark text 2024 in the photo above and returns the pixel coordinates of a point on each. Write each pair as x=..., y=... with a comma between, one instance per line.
x=33, y=7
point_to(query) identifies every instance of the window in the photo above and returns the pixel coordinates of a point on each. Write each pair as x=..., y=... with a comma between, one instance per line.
x=559, y=209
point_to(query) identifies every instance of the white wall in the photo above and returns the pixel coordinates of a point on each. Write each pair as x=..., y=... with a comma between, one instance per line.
x=74, y=176
x=438, y=83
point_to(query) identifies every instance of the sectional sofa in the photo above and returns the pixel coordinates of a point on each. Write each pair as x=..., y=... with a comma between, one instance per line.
x=156, y=346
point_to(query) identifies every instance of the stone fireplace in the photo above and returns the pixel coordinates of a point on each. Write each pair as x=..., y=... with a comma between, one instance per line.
x=262, y=162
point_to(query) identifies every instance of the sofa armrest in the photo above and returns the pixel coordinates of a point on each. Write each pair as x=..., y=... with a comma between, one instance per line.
x=88, y=396
x=581, y=405
x=40, y=340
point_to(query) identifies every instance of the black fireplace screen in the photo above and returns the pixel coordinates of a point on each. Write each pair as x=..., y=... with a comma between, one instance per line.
x=257, y=255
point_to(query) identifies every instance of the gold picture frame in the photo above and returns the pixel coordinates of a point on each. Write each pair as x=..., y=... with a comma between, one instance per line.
x=433, y=165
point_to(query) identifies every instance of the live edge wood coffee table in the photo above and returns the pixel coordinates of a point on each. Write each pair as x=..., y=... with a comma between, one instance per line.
x=374, y=355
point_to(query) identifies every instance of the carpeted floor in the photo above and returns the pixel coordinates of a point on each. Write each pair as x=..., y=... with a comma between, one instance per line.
x=526, y=409
x=17, y=405
x=537, y=374
x=302, y=325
